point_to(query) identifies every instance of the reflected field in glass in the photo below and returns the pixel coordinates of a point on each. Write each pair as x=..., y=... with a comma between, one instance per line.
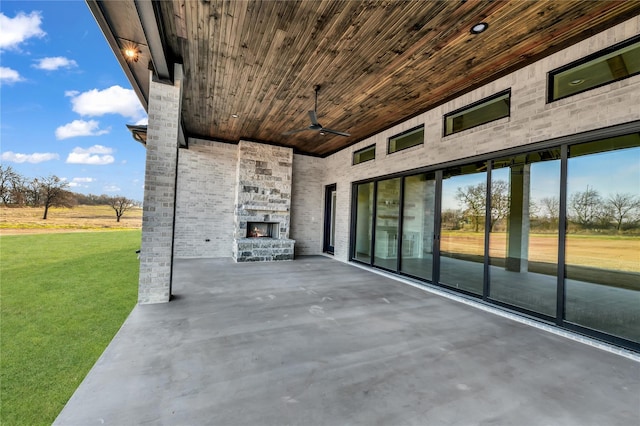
x=603, y=236
x=523, y=239
x=462, y=227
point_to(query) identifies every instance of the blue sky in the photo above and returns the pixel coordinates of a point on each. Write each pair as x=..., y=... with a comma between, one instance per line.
x=65, y=100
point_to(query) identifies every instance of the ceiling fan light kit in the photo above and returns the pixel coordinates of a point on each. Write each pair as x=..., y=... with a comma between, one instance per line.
x=315, y=125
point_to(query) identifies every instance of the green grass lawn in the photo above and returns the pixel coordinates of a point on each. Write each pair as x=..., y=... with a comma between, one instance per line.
x=63, y=298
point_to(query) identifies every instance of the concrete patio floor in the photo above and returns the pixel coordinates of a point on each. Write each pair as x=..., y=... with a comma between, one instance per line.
x=319, y=342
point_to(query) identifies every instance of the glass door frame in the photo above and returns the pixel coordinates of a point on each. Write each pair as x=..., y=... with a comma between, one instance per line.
x=330, y=201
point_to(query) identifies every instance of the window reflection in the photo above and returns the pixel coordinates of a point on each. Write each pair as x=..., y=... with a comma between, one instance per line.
x=364, y=217
x=523, y=239
x=418, y=222
x=603, y=236
x=462, y=227
x=387, y=212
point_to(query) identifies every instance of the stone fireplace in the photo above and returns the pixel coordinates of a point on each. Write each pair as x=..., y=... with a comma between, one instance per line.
x=262, y=203
x=263, y=230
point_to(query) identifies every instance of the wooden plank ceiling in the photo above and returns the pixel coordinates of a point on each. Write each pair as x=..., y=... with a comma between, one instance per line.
x=377, y=62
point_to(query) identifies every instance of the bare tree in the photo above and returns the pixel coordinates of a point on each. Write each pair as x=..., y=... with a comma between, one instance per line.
x=622, y=207
x=587, y=207
x=499, y=202
x=451, y=219
x=474, y=198
x=31, y=192
x=120, y=205
x=52, y=193
x=551, y=208
x=18, y=195
x=8, y=178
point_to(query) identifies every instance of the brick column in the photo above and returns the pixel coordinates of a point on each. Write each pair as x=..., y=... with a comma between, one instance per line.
x=156, y=252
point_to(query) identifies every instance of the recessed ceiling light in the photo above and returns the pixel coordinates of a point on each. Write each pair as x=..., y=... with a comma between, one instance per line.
x=576, y=82
x=479, y=28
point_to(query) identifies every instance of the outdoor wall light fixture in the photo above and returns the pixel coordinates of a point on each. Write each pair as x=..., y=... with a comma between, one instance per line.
x=131, y=51
x=479, y=28
x=234, y=115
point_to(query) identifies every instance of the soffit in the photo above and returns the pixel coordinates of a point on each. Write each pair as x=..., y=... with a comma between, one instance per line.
x=378, y=62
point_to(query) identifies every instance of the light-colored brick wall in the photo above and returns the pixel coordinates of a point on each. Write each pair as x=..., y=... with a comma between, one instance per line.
x=206, y=188
x=159, y=193
x=307, y=204
x=532, y=120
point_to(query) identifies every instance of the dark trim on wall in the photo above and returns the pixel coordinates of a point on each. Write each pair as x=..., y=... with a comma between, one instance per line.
x=588, y=136
x=562, y=240
x=611, y=49
x=487, y=228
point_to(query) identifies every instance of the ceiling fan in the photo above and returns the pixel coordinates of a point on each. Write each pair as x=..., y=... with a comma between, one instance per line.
x=314, y=121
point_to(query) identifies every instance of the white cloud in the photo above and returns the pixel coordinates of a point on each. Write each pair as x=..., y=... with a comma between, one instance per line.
x=83, y=180
x=80, y=182
x=113, y=100
x=54, y=63
x=97, y=155
x=17, y=30
x=80, y=128
x=111, y=188
x=9, y=76
x=36, y=157
x=142, y=122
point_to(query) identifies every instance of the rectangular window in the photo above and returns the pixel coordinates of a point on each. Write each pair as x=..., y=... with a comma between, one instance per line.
x=615, y=63
x=481, y=112
x=364, y=154
x=406, y=139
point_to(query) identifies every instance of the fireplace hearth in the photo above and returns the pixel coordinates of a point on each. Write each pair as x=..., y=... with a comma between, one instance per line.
x=263, y=230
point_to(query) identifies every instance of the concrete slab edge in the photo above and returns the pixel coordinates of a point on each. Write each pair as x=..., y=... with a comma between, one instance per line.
x=506, y=314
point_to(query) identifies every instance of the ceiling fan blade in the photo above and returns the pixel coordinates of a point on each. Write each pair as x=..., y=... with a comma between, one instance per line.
x=335, y=132
x=291, y=132
x=314, y=118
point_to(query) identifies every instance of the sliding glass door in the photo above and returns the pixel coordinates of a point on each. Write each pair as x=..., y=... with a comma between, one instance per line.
x=462, y=227
x=553, y=232
x=418, y=219
x=603, y=236
x=363, y=222
x=523, y=230
x=387, y=222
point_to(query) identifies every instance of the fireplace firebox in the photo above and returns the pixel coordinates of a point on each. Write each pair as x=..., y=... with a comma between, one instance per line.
x=262, y=230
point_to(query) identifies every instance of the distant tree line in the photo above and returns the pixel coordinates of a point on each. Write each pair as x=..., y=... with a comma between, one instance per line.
x=51, y=191
x=586, y=210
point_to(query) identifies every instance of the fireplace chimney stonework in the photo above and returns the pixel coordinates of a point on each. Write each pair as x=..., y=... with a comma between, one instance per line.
x=263, y=195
